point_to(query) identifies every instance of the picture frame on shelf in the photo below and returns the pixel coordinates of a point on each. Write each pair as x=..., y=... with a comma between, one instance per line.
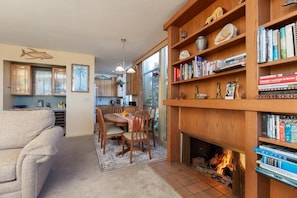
x=230, y=90
x=80, y=78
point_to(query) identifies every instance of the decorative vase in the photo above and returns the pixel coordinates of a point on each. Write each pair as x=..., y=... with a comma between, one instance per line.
x=201, y=43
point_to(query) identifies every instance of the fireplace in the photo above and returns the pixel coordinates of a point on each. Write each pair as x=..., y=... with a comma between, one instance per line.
x=219, y=162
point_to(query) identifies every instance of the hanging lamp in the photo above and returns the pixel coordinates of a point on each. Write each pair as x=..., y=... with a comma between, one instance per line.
x=120, y=69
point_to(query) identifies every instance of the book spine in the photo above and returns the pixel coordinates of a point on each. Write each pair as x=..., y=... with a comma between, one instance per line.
x=289, y=40
x=264, y=121
x=295, y=37
x=288, y=131
x=278, y=79
x=269, y=46
x=283, y=47
x=275, y=45
x=282, y=130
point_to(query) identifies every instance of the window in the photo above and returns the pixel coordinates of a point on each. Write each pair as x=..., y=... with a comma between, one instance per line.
x=154, y=71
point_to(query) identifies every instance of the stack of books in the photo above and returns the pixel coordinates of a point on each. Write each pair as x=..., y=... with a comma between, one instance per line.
x=275, y=44
x=280, y=127
x=278, y=163
x=278, y=86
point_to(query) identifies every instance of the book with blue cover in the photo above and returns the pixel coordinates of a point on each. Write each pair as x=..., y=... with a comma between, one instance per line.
x=277, y=176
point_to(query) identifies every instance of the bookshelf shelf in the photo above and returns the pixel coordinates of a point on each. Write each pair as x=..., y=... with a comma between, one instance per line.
x=230, y=43
x=284, y=106
x=280, y=62
x=278, y=142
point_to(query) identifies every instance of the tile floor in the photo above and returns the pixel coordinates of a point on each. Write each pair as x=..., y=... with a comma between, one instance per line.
x=189, y=182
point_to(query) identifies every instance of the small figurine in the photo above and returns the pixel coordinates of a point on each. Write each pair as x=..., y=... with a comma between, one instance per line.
x=196, y=91
x=218, y=94
x=237, y=95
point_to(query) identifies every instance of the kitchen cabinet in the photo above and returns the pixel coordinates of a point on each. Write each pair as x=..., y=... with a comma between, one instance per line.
x=59, y=81
x=106, y=87
x=42, y=81
x=132, y=83
x=21, y=79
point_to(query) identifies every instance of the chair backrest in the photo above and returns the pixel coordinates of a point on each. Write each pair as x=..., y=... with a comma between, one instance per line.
x=140, y=125
x=117, y=109
x=100, y=120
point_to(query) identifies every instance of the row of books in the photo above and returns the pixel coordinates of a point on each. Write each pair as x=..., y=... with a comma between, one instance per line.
x=275, y=44
x=278, y=86
x=201, y=67
x=280, y=127
x=277, y=162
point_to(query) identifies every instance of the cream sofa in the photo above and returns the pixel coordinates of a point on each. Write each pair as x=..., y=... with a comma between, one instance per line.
x=28, y=142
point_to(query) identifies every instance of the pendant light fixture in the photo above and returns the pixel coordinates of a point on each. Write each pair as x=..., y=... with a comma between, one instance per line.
x=120, y=69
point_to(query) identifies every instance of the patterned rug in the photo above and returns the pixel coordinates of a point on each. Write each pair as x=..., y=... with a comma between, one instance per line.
x=111, y=161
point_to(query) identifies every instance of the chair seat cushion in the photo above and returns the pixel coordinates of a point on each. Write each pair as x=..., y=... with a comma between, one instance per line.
x=138, y=135
x=112, y=129
x=8, y=161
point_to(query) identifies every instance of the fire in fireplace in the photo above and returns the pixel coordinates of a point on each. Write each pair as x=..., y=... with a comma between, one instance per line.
x=222, y=164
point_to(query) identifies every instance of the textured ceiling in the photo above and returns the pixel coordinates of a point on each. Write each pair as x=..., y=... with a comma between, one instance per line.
x=88, y=26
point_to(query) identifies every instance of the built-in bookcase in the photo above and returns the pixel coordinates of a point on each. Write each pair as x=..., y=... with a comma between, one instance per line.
x=233, y=123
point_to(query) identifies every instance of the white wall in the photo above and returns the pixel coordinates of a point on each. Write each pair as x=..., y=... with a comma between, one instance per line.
x=80, y=106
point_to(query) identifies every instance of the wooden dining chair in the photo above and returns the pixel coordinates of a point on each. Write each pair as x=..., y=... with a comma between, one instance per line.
x=151, y=123
x=117, y=109
x=107, y=130
x=139, y=134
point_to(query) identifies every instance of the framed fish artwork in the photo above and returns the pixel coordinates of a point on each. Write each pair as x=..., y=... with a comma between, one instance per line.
x=80, y=78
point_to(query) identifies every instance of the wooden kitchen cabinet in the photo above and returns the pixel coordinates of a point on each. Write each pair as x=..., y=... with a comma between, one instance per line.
x=106, y=87
x=132, y=83
x=21, y=83
x=59, y=81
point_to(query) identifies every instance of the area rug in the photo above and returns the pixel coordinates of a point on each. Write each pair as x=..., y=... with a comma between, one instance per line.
x=111, y=161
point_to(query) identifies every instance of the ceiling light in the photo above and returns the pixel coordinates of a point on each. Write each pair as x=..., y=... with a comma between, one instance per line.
x=120, y=69
x=130, y=70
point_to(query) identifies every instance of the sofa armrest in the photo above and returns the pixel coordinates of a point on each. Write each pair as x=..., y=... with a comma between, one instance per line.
x=41, y=147
x=45, y=143
x=35, y=160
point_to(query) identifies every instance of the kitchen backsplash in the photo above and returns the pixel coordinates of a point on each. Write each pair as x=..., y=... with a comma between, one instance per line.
x=34, y=101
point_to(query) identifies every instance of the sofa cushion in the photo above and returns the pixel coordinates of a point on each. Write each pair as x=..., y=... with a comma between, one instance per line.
x=18, y=127
x=8, y=160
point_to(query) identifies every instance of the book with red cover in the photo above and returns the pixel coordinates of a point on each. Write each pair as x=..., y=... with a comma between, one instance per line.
x=278, y=79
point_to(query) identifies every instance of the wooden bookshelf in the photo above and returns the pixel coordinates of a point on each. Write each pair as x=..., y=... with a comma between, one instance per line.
x=232, y=123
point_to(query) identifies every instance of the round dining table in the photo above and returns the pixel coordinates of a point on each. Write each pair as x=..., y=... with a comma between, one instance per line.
x=118, y=120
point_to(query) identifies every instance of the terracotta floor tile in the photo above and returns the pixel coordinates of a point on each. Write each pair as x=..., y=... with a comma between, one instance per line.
x=193, y=188
x=184, y=192
x=185, y=181
x=202, y=185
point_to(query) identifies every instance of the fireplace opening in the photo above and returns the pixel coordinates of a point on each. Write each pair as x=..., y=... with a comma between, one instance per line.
x=221, y=163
